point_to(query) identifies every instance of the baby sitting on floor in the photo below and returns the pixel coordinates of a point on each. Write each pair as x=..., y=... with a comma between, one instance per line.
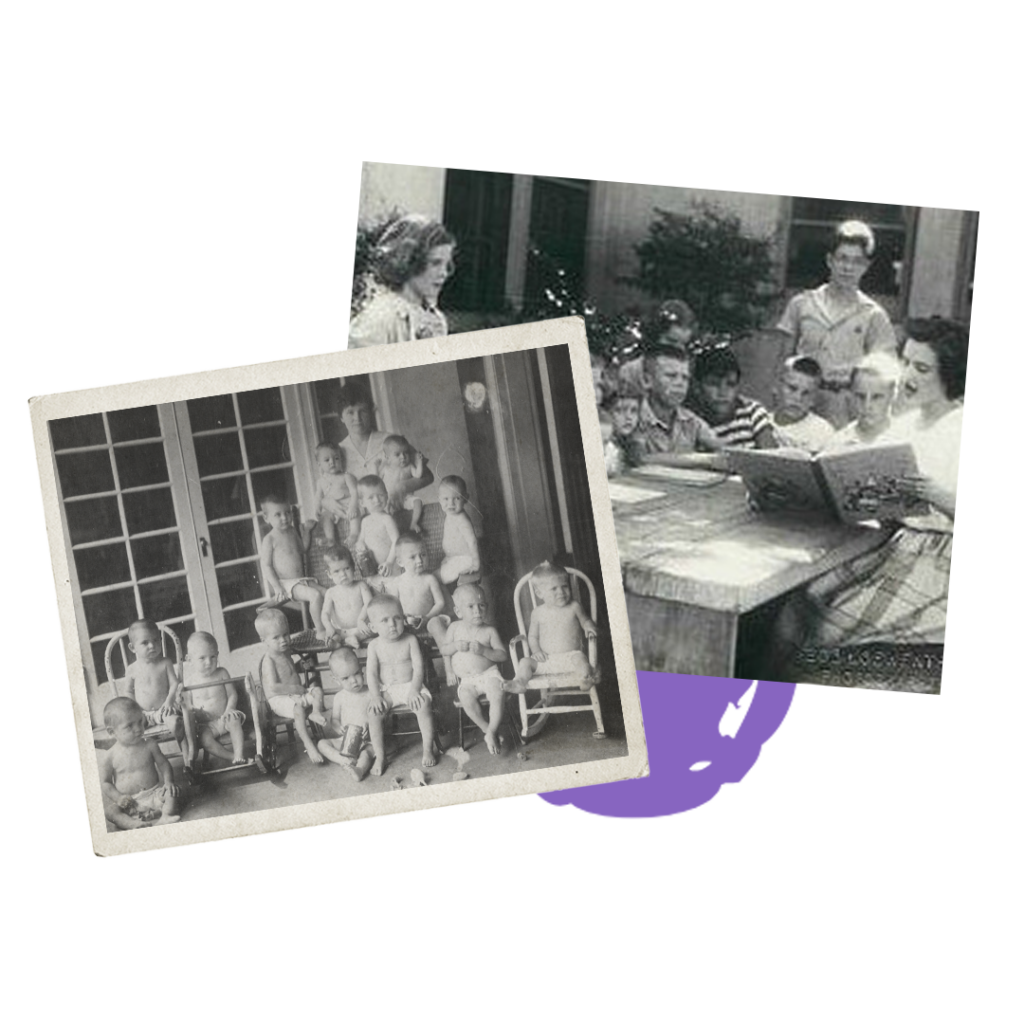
x=135, y=777
x=214, y=707
x=351, y=730
x=559, y=631
x=475, y=650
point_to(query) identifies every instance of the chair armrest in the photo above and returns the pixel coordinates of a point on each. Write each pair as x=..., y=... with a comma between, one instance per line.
x=592, y=651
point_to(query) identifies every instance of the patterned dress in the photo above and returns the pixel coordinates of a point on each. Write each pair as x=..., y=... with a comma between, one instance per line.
x=388, y=318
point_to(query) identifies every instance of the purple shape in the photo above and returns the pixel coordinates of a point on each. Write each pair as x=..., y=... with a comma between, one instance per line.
x=682, y=720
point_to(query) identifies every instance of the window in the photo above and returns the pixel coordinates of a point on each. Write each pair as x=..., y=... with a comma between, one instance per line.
x=812, y=224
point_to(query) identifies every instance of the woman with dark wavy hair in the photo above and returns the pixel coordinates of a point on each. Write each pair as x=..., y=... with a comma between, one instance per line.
x=411, y=262
x=897, y=594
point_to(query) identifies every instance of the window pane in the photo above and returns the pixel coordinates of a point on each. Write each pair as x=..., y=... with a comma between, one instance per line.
x=134, y=424
x=141, y=464
x=110, y=612
x=149, y=510
x=95, y=519
x=226, y=497
x=238, y=583
x=211, y=413
x=218, y=453
x=85, y=473
x=275, y=481
x=233, y=540
x=267, y=446
x=165, y=599
x=100, y=567
x=78, y=431
x=153, y=556
x=327, y=394
x=260, y=406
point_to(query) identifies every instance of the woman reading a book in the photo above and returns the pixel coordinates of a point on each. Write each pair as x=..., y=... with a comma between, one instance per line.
x=411, y=261
x=897, y=593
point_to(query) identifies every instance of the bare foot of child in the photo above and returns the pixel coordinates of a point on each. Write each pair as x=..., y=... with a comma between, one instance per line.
x=378, y=766
x=493, y=743
x=317, y=717
x=517, y=685
x=167, y=819
x=429, y=757
x=357, y=771
x=314, y=755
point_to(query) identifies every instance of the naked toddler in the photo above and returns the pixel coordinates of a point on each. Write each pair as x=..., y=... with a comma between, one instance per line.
x=350, y=711
x=214, y=707
x=458, y=541
x=151, y=680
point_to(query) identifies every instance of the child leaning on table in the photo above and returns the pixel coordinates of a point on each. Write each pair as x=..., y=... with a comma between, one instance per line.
x=458, y=541
x=135, y=777
x=559, y=631
x=738, y=421
x=796, y=391
x=281, y=684
x=350, y=710
x=214, y=707
x=151, y=680
x=623, y=447
x=335, y=499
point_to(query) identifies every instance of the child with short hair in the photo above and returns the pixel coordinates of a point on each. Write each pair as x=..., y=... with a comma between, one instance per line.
x=378, y=531
x=796, y=391
x=476, y=650
x=151, y=679
x=214, y=707
x=395, y=674
x=419, y=592
x=281, y=684
x=281, y=557
x=402, y=475
x=345, y=604
x=135, y=778
x=623, y=409
x=458, y=541
x=349, y=714
x=873, y=392
x=335, y=498
x=559, y=631
x=738, y=421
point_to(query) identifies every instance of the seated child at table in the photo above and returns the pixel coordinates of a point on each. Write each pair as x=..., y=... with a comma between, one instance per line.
x=395, y=674
x=623, y=409
x=281, y=684
x=738, y=421
x=796, y=391
x=475, y=650
x=345, y=604
x=335, y=499
x=350, y=730
x=378, y=531
x=135, y=777
x=402, y=474
x=281, y=557
x=873, y=391
x=559, y=631
x=419, y=592
x=151, y=680
x=458, y=541
x=214, y=707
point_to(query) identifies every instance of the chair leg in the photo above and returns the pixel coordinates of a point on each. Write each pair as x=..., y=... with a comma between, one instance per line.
x=595, y=701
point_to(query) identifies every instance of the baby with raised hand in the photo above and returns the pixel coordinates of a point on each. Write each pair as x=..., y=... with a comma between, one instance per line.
x=476, y=650
x=419, y=592
x=282, y=687
x=872, y=393
x=345, y=604
x=378, y=531
x=135, y=778
x=402, y=474
x=350, y=722
x=559, y=631
x=458, y=541
x=214, y=707
x=335, y=499
x=395, y=674
x=151, y=680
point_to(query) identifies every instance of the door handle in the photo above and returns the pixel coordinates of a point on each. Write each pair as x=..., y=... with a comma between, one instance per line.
x=204, y=546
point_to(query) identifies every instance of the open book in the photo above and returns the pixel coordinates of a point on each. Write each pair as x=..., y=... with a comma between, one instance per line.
x=854, y=484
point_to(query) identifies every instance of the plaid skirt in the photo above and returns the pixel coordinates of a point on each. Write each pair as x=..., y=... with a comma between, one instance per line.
x=894, y=595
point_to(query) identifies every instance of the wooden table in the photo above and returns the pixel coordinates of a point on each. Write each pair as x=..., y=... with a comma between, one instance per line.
x=695, y=558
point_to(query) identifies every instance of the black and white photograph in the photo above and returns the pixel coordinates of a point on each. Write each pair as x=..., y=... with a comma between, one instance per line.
x=780, y=383
x=293, y=598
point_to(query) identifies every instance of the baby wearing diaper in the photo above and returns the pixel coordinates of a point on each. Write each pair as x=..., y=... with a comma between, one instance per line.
x=476, y=650
x=559, y=631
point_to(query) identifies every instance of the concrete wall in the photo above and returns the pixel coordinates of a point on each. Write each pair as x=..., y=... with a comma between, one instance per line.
x=386, y=187
x=620, y=214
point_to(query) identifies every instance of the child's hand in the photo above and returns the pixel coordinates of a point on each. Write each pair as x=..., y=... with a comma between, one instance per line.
x=415, y=621
x=417, y=701
x=463, y=645
x=173, y=789
x=590, y=631
x=279, y=596
x=126, y=804
x=476, y=647
x=377, y=707
x=539, y=655
x=385, y=569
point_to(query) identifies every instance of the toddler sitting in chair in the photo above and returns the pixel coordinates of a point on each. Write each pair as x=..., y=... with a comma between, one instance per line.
x=151, y=680
x=335, y=499
x=281, y=684
x=345, y=604
x=135, y=777
x=351, y=730
x=458, y=541
x=559, y=631
x=378, y=531
x=403, y=475
x=281, y=557
x=419, y=592
x=214, y=707
x=475, y=650
x=395, y=673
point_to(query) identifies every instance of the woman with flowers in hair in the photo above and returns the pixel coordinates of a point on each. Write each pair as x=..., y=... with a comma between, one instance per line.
x=411, y=262
x=836, y=324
